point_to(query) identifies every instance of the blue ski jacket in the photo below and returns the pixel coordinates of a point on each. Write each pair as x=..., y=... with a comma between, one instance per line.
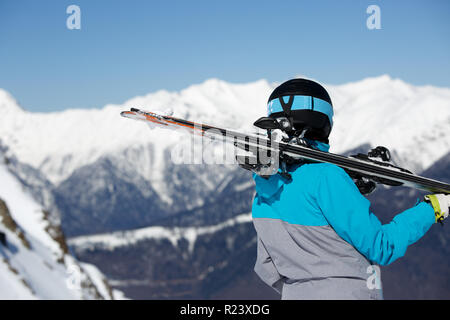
x=318, y=239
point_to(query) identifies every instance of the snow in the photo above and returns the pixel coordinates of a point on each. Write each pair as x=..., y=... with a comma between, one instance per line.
x=99, y=280
x=12, y=287
x=36, y=268
x=411, y=120
x=24, y=210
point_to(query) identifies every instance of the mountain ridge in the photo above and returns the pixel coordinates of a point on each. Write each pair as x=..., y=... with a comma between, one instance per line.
x=57, y=143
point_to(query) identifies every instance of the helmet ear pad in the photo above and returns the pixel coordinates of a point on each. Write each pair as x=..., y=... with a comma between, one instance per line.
x=317, y=124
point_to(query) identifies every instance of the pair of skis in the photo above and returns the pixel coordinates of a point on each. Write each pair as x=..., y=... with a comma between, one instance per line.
x=359, y=166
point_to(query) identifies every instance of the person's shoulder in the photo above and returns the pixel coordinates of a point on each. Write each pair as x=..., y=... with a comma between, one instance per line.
x=314, y=171
x=326, y=171
x=324, y=168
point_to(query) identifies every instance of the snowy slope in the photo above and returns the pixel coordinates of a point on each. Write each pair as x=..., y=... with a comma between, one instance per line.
x=34, y=261
x=411, y=120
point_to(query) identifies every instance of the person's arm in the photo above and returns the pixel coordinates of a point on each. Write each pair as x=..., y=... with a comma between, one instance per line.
x=348, y=213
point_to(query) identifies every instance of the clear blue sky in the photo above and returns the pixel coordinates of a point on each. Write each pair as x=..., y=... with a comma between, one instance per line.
x=129, y=48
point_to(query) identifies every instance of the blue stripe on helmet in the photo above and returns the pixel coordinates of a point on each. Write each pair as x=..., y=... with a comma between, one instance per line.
x=302, y=103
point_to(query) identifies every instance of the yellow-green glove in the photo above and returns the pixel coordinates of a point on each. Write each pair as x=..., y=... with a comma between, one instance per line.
x=440, y=203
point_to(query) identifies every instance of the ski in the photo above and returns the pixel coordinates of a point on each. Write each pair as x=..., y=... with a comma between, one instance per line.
x=359, y=166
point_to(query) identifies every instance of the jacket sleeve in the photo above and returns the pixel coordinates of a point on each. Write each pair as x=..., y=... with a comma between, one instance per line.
x=348, y=213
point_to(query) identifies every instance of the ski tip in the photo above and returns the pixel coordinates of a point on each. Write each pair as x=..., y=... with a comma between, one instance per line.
x=123, y=113
x=132, y=115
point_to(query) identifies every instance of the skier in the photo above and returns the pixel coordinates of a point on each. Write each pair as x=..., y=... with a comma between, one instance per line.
x=317, y=238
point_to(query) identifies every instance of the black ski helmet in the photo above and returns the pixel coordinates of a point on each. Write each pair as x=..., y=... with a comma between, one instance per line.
x=306, y=104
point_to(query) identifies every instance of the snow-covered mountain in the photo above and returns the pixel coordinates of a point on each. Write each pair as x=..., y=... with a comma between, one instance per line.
x=92, y=157
x=412, y=120
x=101, y=163
x=103, y=174
x=34, y=259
